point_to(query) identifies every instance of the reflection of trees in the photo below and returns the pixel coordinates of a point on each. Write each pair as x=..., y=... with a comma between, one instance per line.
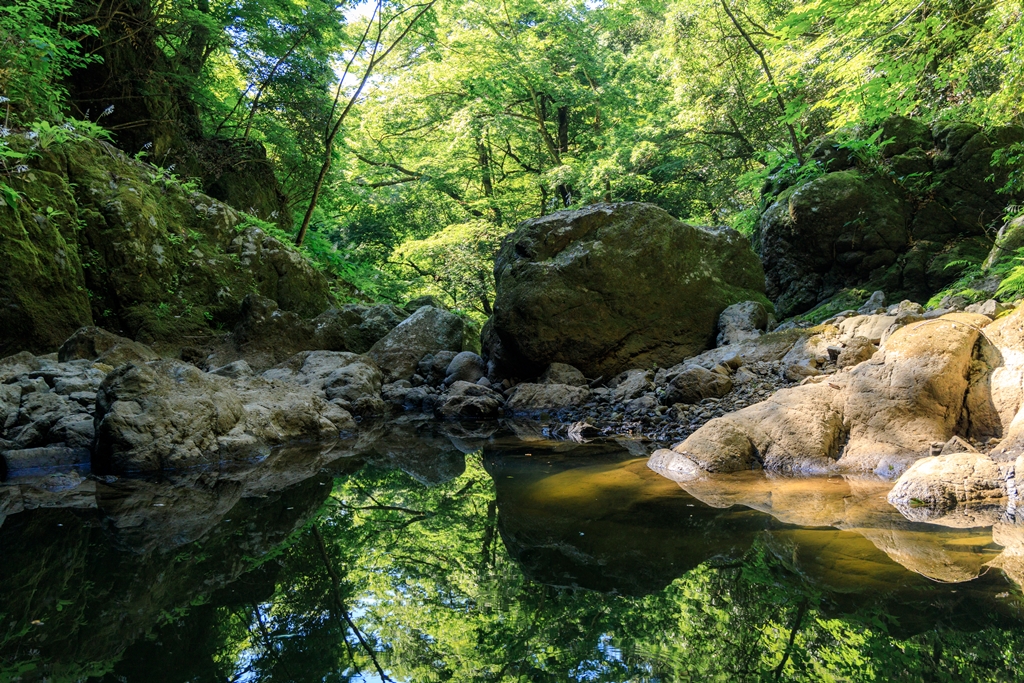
x=434, y=596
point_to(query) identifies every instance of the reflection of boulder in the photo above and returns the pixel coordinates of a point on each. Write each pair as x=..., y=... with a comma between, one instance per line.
x=612, y=526
x=419, y=449
x=856, y=504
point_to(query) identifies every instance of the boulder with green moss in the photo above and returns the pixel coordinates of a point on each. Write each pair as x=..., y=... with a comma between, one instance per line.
x=905, y=222
x=614, y=286
x=97, y=237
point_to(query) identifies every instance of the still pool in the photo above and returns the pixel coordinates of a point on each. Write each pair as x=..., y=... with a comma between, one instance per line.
x=426, y=557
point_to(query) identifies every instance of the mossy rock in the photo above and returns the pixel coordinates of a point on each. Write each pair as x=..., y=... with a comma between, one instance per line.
x=614, y=286
x=43, y=298
x=160, y=261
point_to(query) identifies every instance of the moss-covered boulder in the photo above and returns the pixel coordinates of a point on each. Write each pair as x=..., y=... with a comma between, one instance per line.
x=100, y=238
x=891, y=224
x=614, y=286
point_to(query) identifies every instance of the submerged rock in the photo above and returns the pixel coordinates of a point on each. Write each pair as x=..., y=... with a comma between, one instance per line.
x=614, y=286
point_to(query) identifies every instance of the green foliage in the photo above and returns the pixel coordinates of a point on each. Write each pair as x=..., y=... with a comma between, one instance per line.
x=39, y=47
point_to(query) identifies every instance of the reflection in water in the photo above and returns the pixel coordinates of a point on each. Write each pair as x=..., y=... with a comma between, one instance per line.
x=523, y=560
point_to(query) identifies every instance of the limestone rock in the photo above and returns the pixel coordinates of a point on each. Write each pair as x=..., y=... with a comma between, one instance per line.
x=613, y=286
x=936, y=486
x=170, y=415
x=742, y=322
x=856, y=351
x=426, y=331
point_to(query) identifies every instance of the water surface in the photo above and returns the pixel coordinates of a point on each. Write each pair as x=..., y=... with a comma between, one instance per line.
x=490, y=556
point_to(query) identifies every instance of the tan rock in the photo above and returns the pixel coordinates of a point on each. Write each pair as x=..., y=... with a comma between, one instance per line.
x=934, y=487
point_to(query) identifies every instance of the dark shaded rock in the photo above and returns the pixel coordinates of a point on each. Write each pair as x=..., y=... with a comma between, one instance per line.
x=467, y=400
x=433, y=368
x=896, y=229
x=560, y=373
x=465, y=367
x=95, y=344
x=611, y=286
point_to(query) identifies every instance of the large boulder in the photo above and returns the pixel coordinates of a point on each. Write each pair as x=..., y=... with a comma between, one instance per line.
x=613, y=286
x=854, y=227
x=95, y=344
x=426, y=331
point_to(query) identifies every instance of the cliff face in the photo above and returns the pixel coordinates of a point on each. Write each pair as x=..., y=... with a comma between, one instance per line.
x=97, y=237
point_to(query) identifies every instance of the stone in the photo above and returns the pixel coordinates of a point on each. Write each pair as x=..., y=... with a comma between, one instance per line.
x=797, y=372
x=694, y=384
x=856, y=351
x=742, y=322
x=46, y=457
x=613, y=286
x=170, y=415
x=350, y=380
x=433, y=368
x=96, y=344
x=164, y=261
x=238, y=368
x=942, y=483
x=465, y=367
x=874, y=302
x=853, y=228
x=642, y=404
x=467, y=400
x=560, y=373
x=870, y=327
x=426, y=331
x=529, y=398
x=990, y=308
x=879, y=416
x=631, y=384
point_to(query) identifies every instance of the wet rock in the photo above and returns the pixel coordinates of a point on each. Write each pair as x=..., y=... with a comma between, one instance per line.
x=426, y=331
x=560, y=373
x=742, y=322
x=46, y=457
x=601, y=288
x=469, y=400
x=465, y=367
